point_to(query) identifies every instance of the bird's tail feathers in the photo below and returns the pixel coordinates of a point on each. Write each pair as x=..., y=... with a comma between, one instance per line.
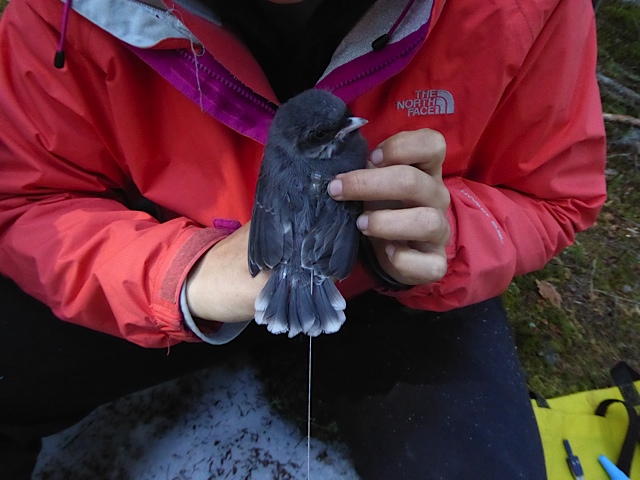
x=296, y=303
x=271, y=305
x=330, y=306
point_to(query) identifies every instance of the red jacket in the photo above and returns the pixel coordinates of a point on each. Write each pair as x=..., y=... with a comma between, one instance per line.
x=510, y=84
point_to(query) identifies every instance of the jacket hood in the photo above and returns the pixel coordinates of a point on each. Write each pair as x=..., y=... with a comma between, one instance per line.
x=188, y=46
x=182, y=25
x=135, y=23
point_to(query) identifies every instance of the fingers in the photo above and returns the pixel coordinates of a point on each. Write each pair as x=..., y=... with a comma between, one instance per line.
x=421, y=225
x=403, y=183
x=406, y=204
x=413, y=173
x=410, y=266
x=409, y=243
x=424, y=149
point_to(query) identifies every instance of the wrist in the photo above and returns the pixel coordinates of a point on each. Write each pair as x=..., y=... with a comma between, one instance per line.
x=219, y=287
x=214, y=333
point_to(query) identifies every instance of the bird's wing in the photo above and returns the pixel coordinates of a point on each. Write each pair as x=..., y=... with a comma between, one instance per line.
x=331, y=247
x=271, y=233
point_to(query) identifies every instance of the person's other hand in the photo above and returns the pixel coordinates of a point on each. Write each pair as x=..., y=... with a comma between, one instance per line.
x=406, y=204
x=219, y=286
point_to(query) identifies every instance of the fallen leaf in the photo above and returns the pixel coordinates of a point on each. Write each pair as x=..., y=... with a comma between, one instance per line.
x=548, y=292
x=555, y=329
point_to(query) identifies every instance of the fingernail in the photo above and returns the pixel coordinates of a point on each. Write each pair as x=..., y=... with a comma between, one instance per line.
x=376, y=156
x=389, y=249
x=335, y=188
x=363, y=222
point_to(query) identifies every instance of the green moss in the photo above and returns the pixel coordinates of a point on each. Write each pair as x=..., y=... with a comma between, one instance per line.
x=618, y=24
x=572, y=348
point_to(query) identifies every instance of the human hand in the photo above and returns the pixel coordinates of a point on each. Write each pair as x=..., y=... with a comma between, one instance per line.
x=406, y=204
x=219, y=286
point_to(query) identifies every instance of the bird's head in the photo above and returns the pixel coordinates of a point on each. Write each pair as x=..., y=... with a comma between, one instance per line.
x=315, y=123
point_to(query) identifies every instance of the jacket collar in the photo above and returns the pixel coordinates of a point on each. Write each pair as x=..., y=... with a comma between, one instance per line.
x=186, y=46
x=185, y=23
x=136, y=23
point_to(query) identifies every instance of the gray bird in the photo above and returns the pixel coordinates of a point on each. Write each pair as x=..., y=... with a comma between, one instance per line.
x=307, y=239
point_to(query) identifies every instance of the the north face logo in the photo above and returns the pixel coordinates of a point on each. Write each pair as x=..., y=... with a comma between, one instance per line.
x=428, y=102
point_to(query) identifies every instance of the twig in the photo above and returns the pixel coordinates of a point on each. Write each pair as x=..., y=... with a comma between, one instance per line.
x=593, y=274
x=625, y=119
x=618, y=88
x=617, y=297
x=618, y=155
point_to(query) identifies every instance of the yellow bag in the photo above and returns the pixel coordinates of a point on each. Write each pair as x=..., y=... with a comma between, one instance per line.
x=595, y=422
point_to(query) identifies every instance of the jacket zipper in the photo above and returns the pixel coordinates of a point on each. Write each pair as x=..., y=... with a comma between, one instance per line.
x=380, y=66
x=235, y=86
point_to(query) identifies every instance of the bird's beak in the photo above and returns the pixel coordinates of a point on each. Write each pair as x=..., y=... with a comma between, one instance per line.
x=354, y=124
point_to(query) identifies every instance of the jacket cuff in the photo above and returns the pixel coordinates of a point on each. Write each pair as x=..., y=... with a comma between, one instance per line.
x=173, y=272
x=214, y=333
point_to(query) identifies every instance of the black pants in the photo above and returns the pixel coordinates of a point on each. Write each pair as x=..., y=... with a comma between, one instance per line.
x=417, y=395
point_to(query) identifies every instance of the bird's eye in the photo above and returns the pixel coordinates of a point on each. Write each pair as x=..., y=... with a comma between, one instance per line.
x=320, y=134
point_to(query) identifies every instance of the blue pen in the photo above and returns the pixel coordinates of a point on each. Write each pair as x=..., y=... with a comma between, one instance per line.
x=573, y=462
x=614, y=472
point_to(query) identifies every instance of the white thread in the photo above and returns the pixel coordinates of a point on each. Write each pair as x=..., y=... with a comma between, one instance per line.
x=176, y=13
x=196, y=64
x=309, y=417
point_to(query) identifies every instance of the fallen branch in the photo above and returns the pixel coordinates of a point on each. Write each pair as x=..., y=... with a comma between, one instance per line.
x=619, y=89
x=625, y=119
x=617, y=297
